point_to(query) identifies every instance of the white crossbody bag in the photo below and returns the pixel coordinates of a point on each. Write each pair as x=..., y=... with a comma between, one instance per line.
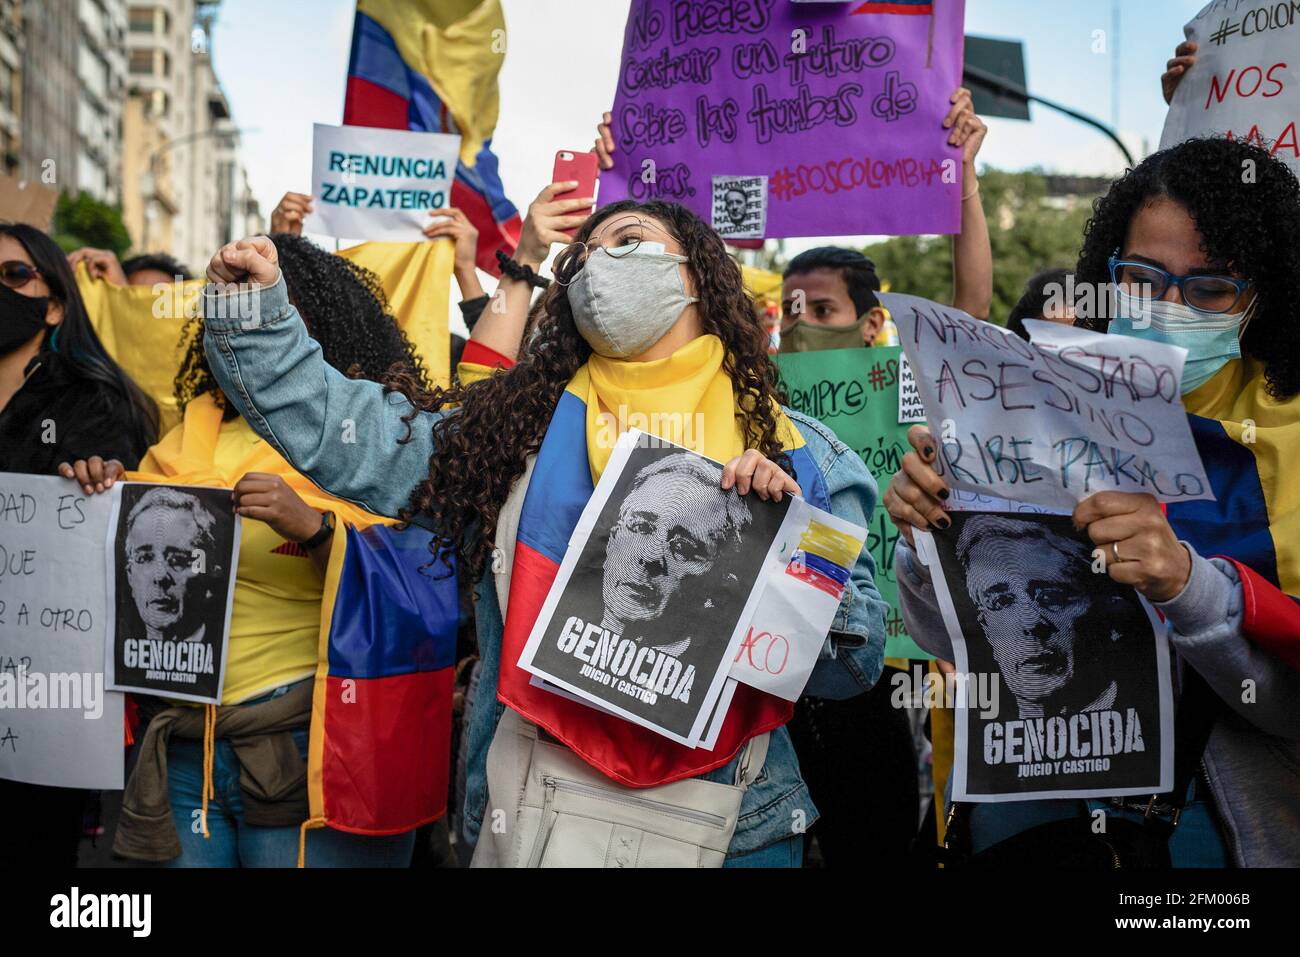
x=548, y=808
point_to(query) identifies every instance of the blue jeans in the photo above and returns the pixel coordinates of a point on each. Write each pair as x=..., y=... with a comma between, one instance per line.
x=787, y=853
x=234, y=843
x=1197, y=841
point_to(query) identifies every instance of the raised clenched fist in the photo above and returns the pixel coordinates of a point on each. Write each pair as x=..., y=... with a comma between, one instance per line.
x=248, y=260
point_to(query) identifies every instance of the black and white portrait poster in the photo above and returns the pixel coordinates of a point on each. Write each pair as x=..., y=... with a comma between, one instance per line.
x=740, y=206
x=1063, y=681
x=172, y=555
x=661, y=577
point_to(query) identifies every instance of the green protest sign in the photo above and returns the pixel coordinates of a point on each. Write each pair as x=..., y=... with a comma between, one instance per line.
x=855, y=393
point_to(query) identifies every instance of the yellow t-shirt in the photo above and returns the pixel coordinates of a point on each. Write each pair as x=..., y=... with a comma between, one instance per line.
x=275, y=620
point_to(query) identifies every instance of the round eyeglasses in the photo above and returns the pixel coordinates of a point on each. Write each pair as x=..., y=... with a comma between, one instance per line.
x=626, y=234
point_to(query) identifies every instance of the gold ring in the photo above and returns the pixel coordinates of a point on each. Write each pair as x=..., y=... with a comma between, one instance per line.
x=1114, y=550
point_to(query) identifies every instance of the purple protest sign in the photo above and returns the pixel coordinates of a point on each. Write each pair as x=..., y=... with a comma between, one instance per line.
x=770, y=119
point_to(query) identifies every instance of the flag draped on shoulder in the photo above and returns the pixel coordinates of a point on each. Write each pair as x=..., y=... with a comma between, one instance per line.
x=571, y=458
x=380, y=742
x=380, y=749
x=1250, y=444
x=432, y=66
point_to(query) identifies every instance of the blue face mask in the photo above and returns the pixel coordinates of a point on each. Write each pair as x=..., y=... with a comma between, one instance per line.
x=1211, y=341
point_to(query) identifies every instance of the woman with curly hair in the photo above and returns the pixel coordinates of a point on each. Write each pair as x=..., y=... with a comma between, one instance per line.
x=346, y=312
x=648, y=321
x=1194, y=247
x=286, y=537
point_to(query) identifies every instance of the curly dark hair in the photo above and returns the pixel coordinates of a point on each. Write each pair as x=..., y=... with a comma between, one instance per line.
x=484, y=443
x=345, y=310
x=1247, y=223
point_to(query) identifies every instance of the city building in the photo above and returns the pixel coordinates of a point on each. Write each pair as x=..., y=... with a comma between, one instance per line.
x=73, y=77
x=118, y=98
x=185, y=190
x=11, y=84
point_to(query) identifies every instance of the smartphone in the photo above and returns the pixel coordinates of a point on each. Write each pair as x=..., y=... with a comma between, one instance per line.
x=583, y=167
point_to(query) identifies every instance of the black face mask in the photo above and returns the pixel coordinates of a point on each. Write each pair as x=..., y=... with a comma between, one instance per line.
x=21, y=318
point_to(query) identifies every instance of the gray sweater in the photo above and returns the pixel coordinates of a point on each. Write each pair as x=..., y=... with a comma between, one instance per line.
x=1252, y=760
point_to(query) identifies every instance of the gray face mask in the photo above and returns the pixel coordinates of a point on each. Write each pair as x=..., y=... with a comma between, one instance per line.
x=624, y=304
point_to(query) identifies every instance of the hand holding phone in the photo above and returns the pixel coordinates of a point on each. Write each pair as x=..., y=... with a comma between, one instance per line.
x=579, y=167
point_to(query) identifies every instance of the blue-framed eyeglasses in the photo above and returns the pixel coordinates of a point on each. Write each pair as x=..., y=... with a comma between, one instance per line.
x=1208, y=294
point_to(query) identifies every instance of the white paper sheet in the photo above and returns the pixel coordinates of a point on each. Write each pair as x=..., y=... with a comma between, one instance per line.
x=379, y=184
x=794, y=616
x=1064, y=686
x=1246, y=79
x=1054, y=421
x=53, y=612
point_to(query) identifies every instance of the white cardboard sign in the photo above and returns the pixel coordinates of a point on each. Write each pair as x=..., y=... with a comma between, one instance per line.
x=379, y=184
x=58, y=724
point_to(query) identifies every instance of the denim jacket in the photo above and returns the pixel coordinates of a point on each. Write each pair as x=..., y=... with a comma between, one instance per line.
x=344, y=435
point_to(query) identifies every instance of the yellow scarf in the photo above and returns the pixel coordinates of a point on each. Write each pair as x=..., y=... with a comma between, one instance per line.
x=185, y=457
x=686, y=398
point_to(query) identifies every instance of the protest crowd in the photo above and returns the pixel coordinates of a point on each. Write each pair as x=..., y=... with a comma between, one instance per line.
x=624, y=577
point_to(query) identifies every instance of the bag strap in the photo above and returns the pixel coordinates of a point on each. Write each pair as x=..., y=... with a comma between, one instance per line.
x=1198, y=709
x=507, y=530
x=752, y=759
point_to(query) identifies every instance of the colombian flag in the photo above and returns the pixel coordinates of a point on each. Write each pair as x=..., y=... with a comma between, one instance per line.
x=914, y=7
x=824, y=558
x=379, y=749
x=1250, y=446
x=432, y=65
x=379, y=752
x=628, y=753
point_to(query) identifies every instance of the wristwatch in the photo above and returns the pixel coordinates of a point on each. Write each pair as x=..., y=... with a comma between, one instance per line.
x=322, y=534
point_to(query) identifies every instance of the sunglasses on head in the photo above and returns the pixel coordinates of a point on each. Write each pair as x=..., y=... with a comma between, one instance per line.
x=16, y=274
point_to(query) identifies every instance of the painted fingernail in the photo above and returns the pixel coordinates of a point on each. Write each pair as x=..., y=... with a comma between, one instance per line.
x=928, y=451
x=943, y=494
x=944, y=521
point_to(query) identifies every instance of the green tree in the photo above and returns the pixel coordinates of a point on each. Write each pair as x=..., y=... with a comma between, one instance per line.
x=1025, y=233
x=85, y=221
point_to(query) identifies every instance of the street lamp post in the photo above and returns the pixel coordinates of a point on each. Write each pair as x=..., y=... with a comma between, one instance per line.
x=991, y=81
x=149, y=178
